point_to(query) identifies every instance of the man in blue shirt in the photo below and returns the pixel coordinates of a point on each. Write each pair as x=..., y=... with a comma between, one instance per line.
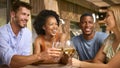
x=89, y=42
x=15, y=38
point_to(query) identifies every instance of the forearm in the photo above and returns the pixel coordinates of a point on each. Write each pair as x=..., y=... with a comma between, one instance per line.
x=92, y=65
x=20, y=61
x=98, y=61
x=89, y=60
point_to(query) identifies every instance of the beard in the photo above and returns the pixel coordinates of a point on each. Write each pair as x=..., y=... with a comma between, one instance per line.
x=17, y=23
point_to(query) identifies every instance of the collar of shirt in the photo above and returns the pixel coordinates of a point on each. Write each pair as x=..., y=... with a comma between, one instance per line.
x=12, y=33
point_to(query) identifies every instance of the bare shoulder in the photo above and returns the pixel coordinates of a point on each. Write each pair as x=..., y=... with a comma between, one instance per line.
x=38, y=39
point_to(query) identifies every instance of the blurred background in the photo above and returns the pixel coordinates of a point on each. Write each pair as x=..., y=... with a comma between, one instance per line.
x=69, y=11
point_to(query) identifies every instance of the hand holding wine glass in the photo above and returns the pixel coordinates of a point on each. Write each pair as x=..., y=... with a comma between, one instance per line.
x=56, y=51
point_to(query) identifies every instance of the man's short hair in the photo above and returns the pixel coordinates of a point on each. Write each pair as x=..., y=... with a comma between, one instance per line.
x=16, y=5
x=84, y=15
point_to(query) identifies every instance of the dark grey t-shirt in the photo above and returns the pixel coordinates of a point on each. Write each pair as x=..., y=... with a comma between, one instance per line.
x=87, y=49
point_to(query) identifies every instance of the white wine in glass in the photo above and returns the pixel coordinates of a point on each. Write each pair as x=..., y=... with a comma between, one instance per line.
x=69, y=48
x=69, y=51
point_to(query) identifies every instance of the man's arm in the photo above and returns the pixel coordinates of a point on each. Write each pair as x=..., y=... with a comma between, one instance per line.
x=9, y=56
x=20, y=61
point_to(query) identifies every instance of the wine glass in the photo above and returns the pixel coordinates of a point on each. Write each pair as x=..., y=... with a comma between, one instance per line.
x=69, y=50
x=59, y=47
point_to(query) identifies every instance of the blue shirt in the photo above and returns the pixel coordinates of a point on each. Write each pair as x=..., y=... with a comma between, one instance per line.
x=87, y=49
x=10, y=44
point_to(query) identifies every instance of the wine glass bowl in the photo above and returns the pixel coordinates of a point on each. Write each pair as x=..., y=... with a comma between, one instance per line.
x=58, y=45
x=59, y=48
x=69, y=48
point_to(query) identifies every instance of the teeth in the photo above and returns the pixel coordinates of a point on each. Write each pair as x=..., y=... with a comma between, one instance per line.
x=54, y=31
x=106, y=24
x=87, y=29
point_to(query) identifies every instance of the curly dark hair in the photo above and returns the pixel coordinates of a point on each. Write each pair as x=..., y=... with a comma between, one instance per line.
x=41, y=18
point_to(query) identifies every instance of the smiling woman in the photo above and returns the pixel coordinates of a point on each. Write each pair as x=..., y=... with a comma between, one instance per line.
x=46, y=26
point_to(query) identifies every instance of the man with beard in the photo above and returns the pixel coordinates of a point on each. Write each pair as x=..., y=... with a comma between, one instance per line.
x=89, y=42
x=15, y=38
